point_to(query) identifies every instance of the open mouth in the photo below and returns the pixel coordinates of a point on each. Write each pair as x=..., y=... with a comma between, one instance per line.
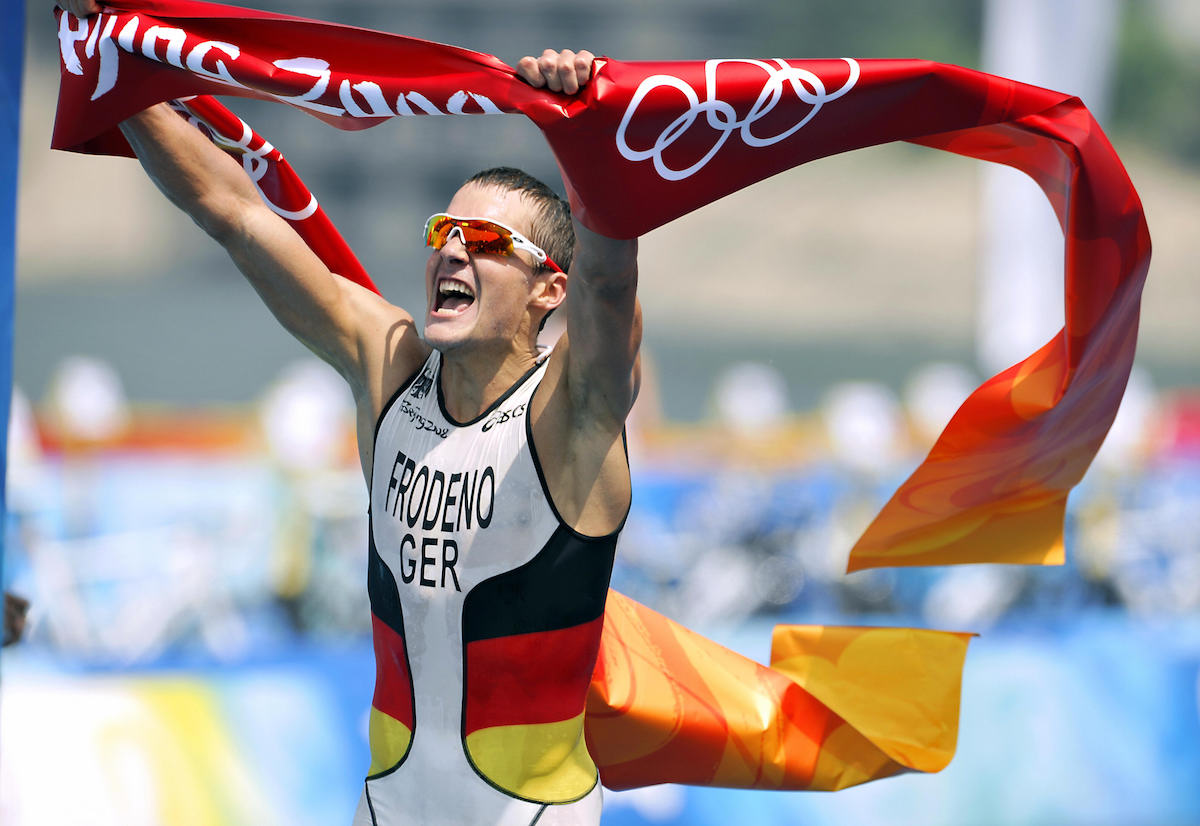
x=453, y=297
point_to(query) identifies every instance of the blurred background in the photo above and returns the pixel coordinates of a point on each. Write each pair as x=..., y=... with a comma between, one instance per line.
x=188, y=520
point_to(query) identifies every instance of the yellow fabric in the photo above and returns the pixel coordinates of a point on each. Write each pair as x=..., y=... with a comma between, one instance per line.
x=837, y=707
x=848, y=759
x=1025, y=532
x=389, y=740
x=547, y=762
x=897, y=687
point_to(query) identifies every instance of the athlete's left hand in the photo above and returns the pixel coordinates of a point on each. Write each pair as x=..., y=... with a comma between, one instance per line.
x=15, y=608
x=566, y=71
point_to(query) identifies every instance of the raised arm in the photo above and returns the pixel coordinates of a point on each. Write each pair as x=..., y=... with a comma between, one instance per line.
x=603, y=314
x=363, y=337
x=604, y=326
x=593, y=376
x=332, y=316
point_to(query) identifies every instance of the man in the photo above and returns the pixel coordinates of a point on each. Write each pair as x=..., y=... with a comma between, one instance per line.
x=497, y=473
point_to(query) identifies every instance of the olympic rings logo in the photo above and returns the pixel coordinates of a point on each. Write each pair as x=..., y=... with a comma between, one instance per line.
x=722, y=117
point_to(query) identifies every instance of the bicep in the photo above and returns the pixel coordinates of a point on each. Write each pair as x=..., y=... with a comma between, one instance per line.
x=292, y=281
x=367, y=340
x=312, y=303
x=604, y=327
x=342, y=322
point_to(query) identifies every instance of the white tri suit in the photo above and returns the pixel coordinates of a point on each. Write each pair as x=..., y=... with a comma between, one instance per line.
x=486, y=612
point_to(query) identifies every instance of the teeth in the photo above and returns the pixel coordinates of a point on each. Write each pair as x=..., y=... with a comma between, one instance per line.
x=455, y=288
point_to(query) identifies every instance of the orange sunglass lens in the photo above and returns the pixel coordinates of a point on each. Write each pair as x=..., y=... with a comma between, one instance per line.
x=437, y=232
x=487, y=240
x=477, y=236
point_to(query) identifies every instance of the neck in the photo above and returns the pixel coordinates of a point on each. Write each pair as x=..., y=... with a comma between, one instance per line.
x=472, y=381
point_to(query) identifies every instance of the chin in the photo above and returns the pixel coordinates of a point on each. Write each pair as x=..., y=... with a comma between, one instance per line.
x=445, y=336
x=441, y=342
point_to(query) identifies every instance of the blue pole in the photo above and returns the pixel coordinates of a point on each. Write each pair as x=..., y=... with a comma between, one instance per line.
x=12, y=48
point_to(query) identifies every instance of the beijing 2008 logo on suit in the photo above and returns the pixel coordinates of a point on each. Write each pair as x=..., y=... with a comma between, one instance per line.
x=423, y=384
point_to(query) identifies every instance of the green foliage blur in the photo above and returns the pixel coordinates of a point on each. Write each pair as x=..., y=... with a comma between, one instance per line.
x=1157, y=84
x=1156, y=94
x=947, y=31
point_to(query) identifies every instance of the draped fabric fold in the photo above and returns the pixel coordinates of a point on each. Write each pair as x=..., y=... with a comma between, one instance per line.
x=838, y=706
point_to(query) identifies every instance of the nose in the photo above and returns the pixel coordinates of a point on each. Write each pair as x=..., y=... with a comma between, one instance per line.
x=455, y=249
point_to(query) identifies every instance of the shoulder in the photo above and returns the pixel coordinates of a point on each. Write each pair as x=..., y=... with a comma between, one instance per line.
x=581, y=444
x=581, y=396
x=390, y=346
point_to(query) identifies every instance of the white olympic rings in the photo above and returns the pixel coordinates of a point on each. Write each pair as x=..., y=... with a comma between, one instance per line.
x=722, y=117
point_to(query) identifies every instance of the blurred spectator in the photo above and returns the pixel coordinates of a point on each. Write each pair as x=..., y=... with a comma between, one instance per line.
x=319, y=555
x=862, y=423
x=932, y=395
x=751, y=399
x=87, y=400
x=305, y=416
x=1128, y=439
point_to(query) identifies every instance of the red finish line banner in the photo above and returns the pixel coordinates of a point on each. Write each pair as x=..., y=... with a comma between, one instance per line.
x=682, y=134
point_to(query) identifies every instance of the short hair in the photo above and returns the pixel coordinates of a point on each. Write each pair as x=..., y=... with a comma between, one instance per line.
x=552, y=229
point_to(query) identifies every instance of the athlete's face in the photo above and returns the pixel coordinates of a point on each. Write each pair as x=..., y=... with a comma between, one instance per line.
x=477, y=299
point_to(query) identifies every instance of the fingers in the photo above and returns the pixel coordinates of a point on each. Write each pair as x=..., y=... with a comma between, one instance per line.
x=548, y=68
x=79, y=8
x=566, y=71
x=580, y=69
x=527, y=70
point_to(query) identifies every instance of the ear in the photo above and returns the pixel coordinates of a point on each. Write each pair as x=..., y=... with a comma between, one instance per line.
x=550, y=290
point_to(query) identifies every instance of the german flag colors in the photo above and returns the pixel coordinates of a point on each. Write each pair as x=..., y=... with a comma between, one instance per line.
x=391, y=724
x=531, y=637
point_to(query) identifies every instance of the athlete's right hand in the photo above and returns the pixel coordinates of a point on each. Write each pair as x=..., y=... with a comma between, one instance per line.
x=79, y=8
x=566, y=71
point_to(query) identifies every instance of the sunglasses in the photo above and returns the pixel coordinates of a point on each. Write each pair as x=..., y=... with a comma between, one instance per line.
x=479, y=235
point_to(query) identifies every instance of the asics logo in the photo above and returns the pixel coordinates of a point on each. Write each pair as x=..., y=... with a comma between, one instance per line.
x=721, y=117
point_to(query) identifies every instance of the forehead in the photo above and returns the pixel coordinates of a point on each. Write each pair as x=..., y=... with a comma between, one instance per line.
x=495, y=203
